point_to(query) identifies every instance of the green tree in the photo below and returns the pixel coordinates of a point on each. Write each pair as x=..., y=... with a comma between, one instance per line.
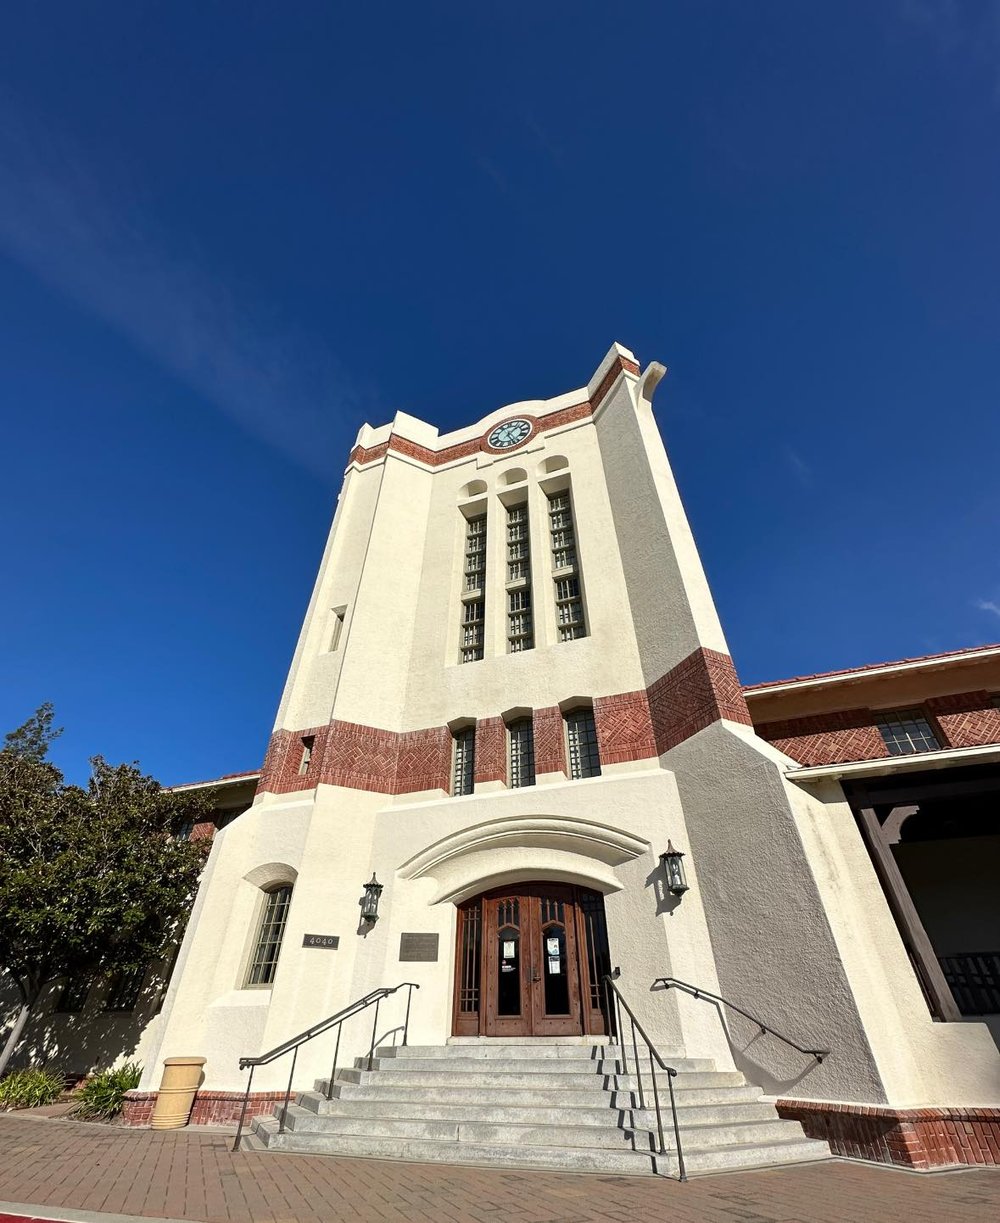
x=92, y=881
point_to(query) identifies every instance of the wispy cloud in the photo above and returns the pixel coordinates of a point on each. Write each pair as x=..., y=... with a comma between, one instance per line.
x=88, y=238
x=799, y=467
x=988, y=605
x=959, y=28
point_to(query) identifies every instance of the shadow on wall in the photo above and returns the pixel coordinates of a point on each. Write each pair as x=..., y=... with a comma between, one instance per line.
x=761, y=1057
x=79, y=1042
x=666, y=901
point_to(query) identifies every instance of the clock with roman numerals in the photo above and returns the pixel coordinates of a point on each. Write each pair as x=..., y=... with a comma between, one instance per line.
x=508, y=434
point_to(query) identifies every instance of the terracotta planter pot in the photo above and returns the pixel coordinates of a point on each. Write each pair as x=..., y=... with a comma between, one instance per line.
x=180, y=1082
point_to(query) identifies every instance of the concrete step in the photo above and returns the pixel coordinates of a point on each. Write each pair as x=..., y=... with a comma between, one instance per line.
x=403, y=1075
x=503, y=1051
x=699, y=1160
x=499, y=1112
x=523, y=1065
x=601, y=1133
x=593, y=1095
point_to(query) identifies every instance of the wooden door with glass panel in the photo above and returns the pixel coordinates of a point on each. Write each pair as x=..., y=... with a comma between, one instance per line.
x=529, y=960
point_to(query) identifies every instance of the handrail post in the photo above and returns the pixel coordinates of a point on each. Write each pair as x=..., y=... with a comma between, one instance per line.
x=288, y=1092
x=681, y=1172
x=638, y=1068
x=656, y=1103
x=243, y=1111
x=371, y=1051
x=406, y=1021
x=333, y=1068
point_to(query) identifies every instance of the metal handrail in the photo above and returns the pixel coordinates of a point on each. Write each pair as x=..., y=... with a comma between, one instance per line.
x=296, y=1042
x=654, y=1059
x=698, y=992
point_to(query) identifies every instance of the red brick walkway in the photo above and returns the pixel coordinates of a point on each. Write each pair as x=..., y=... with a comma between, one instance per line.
x=193, y=1175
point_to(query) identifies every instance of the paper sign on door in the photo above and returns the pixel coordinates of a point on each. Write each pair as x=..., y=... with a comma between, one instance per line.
x=552, y=946
x=508, y=950
x=554, y=969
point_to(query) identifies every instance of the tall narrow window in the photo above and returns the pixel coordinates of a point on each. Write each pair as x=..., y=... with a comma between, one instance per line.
x=520, y=632
x=307, y=750
x=581, y=739
x=474, y=609
x=522, y=753
x=464, y=761
x=570, y=621
x=338, y=615
x=272, y=931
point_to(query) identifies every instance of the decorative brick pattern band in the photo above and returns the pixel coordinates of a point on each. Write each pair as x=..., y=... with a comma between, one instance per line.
x=210, y=1107
x=630, y=726
x=965, y=719
x=910, y=1138
x=462, y=450
x=624, y=728
x=491, y=750
x=700, y=690
x=550, y=753
x=621, y=365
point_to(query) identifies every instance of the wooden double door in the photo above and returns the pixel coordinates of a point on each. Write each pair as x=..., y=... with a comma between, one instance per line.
x=529, y=962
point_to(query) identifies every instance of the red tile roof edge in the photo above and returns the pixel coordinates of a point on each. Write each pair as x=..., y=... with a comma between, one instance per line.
x=211, y=781
x=871, y=666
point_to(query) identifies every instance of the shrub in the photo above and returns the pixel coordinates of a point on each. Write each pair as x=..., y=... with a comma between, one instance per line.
x=102, y=1096
x=30, y=1088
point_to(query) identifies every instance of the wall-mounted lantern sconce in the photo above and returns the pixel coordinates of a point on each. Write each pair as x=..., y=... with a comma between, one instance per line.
x=369, y=902
x=673, y=868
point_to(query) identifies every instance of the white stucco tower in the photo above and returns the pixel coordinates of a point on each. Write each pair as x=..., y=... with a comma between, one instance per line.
x=510, y=692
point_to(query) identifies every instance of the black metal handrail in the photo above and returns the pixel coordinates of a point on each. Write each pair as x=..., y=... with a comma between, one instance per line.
x=296, y=1042
x=615, y=1008
x=698, y=992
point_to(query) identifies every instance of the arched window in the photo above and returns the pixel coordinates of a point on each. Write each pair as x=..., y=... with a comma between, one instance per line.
x=264, y=961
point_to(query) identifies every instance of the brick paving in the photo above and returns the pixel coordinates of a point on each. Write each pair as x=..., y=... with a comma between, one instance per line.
x=191, y=1175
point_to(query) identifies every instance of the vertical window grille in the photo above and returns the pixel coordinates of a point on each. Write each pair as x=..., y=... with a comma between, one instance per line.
x=272, y=931
x=520, y=630
x=570, y=621
x=581, y=737
x=474, y=610
x=464, y=761
x=522, y=753
x=307, y=751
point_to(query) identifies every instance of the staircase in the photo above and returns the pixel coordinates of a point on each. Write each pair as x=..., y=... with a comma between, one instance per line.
x=550, y=1103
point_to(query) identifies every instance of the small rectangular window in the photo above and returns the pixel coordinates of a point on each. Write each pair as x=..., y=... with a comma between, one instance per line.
x=124, y=989
x=581, y=739
x=464, y=761
x=521, y=740
x=307, y=751
x=73, y=995
x=520, y=629
x=473, y=631
x=338, y=615
x=906, y=732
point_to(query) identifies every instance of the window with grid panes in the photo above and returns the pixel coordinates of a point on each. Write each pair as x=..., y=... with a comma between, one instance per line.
x=272, y=930
x=581, y=740
x=123, y=990
x=73, y=996
x=464, y=761
x=521, y=740
x=906, y=732
x=520, y=630
x=473, y=629
x=570, y=621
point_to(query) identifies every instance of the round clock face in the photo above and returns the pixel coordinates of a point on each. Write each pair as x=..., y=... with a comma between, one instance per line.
x=509, y=433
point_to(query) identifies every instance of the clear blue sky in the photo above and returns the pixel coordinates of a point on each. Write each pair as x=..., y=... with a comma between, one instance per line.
x=229, y=233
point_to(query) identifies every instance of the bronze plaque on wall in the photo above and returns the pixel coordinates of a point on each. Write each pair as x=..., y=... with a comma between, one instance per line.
x=331, y=941
x=418, y=947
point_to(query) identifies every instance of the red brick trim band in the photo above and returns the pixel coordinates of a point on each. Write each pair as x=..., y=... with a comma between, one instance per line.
x=621, y=365
x=210, y=1107
x=630, y=726
x=909, y=1138
x=964, y=719
x=462, y=450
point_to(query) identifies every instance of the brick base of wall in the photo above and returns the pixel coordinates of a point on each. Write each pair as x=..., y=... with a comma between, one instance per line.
x=210, y=1107
x=909, y=1138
